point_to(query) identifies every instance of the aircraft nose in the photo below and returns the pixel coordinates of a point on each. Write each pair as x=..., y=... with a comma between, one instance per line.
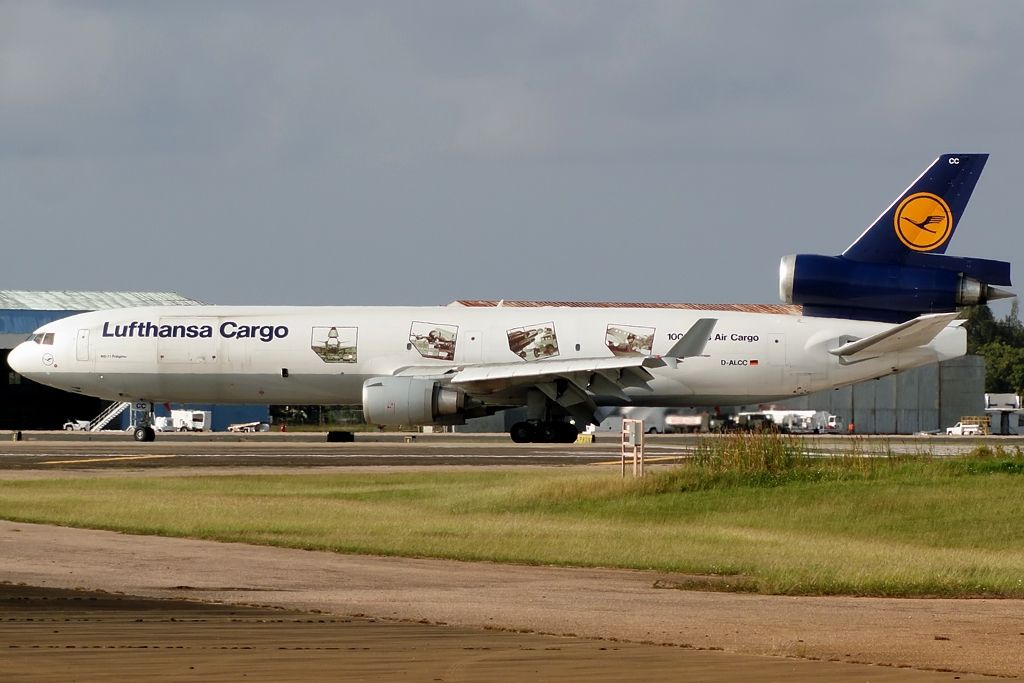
x=20, y=358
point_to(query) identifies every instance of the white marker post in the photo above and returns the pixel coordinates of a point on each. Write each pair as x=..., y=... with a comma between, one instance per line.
x=633, y=442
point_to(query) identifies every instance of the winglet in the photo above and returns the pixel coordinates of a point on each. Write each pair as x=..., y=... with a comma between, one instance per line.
x=694, y=341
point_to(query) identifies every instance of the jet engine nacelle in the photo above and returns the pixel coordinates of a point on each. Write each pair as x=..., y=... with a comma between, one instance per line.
x=834, y=282
x=411, y=401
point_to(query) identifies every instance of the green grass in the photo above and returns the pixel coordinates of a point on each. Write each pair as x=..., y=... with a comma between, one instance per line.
x=754, y=510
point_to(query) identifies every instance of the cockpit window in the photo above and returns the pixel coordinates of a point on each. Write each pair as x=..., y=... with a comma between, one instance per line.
x=45, y=339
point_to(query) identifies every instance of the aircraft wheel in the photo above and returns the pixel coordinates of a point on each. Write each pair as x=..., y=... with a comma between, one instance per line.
x=144, y=434
x=549, y=432
x=338, y=437
x=567, y=433
x=522, y=432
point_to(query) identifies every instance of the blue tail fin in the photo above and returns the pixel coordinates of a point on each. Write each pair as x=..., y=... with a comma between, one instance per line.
x=923, y=218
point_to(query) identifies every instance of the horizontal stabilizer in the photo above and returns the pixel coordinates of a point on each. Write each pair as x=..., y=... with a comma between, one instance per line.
x=908, y=335
x=693, y=342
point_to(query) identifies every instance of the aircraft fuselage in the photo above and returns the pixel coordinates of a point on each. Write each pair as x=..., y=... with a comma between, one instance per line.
x=310, y=355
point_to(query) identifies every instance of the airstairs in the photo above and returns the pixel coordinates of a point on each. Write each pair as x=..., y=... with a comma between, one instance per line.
x=108, y=415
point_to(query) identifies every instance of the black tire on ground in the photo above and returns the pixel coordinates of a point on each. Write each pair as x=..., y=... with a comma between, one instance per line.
x=522, y=432
x=549, y=432
x=567, y=433
x=340, y=437
x=144, y=434
x=69, y=428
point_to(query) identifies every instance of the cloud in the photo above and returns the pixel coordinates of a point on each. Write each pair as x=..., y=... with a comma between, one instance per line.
x=497, y=118
x=323, y=151
x=53, y=55
x=933, y=54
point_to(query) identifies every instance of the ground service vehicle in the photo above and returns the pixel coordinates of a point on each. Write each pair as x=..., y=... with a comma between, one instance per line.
x=961, y=429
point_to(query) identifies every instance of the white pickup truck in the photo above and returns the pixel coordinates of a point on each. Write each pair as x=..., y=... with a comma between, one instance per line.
x=960, y=429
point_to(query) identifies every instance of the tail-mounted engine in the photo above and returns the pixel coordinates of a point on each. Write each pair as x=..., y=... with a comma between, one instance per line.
x=841, y=287
x=411, y=401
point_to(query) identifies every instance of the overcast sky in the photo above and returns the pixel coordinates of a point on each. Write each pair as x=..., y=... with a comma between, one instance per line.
x=420, y=152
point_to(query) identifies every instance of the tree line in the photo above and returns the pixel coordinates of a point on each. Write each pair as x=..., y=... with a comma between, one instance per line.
x=1001, y=343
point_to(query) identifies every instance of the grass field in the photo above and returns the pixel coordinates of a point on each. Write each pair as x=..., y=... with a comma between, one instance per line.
x=747, y=514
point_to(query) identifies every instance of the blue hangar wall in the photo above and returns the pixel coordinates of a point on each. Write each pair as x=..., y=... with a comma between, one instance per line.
x=25, y=404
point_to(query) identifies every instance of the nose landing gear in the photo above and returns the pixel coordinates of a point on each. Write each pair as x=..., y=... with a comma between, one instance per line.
x=142, y=418
x=145, y=434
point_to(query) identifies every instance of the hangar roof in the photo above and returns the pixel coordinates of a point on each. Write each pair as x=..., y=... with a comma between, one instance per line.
x=87, y=301
x=747, y=308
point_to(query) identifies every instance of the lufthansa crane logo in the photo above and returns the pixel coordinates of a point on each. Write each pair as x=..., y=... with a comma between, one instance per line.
x=923, y=221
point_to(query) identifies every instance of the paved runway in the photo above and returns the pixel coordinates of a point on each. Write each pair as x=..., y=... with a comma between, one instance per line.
x=117, y=450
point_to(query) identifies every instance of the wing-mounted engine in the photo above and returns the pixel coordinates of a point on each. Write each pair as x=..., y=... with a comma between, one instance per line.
x=411, y=401
x=841, y=287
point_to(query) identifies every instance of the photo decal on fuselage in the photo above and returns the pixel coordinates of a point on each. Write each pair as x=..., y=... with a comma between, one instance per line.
x=432, y=340
x=335, y=344
x=533, y=341
x=627, y=340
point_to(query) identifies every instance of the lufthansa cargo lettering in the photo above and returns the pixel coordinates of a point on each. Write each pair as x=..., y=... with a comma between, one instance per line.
x=265, y=333
x=228, y=330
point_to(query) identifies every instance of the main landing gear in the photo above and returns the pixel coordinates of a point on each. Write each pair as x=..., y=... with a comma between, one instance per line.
x=543, y=432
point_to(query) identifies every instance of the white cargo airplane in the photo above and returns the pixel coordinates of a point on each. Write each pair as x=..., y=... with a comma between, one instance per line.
x=888, y=303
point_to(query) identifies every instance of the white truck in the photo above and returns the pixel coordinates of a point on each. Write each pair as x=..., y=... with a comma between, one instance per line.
x=795, y=421
x=963, y=429
x=187, y=421
x=687, y=424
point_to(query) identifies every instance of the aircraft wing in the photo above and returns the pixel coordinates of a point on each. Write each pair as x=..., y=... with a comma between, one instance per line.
x=516, y=372
x=908, y=335
x=627, y=371
x=573, y=383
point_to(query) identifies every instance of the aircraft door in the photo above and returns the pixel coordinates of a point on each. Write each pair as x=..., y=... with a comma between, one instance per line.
x=776, y=351
x=471, y=347
x=770, y=354
x=82, y=348
x=189, y=341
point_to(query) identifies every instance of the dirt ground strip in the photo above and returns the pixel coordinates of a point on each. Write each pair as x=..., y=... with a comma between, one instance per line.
x=59, y=635
x=936, y=637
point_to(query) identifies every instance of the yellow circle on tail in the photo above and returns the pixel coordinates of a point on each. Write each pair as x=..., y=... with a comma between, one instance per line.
x=923, y=221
